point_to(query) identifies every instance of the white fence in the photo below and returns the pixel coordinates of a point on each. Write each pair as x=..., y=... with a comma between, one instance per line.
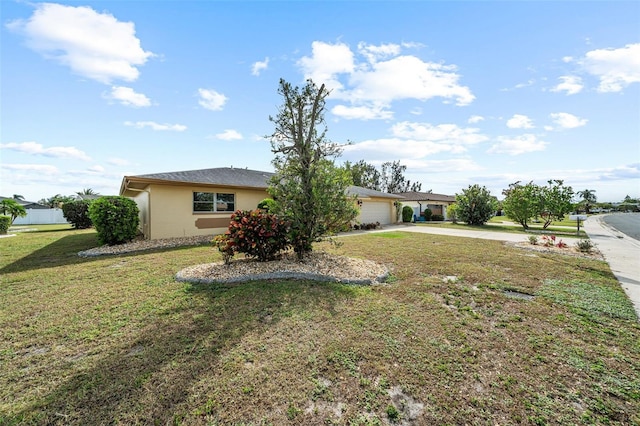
x=41, y=217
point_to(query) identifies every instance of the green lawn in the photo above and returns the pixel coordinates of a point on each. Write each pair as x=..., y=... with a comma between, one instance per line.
x=518, y=337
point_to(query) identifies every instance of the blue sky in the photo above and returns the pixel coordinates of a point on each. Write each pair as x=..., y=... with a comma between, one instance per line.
x=459, y=92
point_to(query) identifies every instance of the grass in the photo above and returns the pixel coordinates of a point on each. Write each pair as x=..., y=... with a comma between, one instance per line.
x=115, y=340
x=498, y=226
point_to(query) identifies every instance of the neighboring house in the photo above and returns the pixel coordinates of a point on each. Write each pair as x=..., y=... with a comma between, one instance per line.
x=37, y=214
x=200, y=202
x=420, y=201
x=26, y=204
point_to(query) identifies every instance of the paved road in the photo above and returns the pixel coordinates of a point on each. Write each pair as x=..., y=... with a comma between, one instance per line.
x=627, y=223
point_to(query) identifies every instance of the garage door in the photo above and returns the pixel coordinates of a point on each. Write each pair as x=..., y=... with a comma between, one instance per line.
x=375, y=211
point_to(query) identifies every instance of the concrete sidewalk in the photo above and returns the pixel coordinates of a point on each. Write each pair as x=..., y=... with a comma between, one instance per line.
x=621, y=252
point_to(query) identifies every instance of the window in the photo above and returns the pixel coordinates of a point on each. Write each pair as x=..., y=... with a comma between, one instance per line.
x=213, y=202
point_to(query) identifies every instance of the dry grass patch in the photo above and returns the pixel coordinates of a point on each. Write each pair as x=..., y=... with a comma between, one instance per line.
x=117, y=340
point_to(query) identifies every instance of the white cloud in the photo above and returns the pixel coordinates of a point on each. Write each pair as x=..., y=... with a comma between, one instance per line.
x=518, y=145
x=40, y=169
x=567, y=59
x=375, y=53
x=475, y=119
x=380, y=77
x=630, y=171
x=398, y=147
x=567, y=121
x=442, y=166
x=519, y=121
x=407, y=77
x=210, y=99
x=115, y=161
x=127, y=96
x=259, y=66
x=450, y=134
x=229, y=135
x=34, y=148
x=156, y=126
x=93, y=45
x=374, y=112
x=616, y=68
x=418, y=140
x=326, y=61
x=570, y=84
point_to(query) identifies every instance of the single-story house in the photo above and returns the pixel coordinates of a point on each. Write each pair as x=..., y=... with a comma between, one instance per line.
x=420, y=201
x=26, y=204
x=200, y=202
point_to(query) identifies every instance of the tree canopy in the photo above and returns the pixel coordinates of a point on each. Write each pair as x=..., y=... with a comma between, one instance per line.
x=390, y=178
x=475, y=205
x=309, y=189
x=12, y=209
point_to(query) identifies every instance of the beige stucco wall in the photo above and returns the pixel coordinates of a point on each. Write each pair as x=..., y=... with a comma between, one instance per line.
x=171, y=209
x=428, y=204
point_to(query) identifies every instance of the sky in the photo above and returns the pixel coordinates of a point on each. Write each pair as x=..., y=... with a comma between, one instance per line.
x=462, y=93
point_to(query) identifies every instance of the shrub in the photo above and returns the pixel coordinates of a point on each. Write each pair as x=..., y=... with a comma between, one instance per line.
x=268, y=204
x=452, y=212
x=225, y=247
x=115, y=218
x=256, y=234
x=77, y=213
x=437, y=217
x=548, y=240
x=584, y=246
x=427, y=213
x=407, y=214
x=533, y=240
x=5, y=222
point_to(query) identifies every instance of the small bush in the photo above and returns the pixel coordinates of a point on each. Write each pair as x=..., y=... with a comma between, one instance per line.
x=407, y=214
x=256, y=234
x=268, y=204
x=584, y=246
x=437, y=217
x=452, y=212
x=548, y=240
x=115, y=218
x=533, y=240
x=5, y=223
x=225, y=247
x=77, y=213
x=427, y=213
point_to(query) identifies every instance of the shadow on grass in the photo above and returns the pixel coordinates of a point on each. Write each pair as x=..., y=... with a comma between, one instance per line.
x=55, y=252
x=63, y=251
x=148, y=379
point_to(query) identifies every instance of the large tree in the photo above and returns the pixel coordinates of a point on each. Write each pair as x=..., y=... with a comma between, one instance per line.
x=475, y=205
x=390, y=178
x=522, y=202
x=364, y=175
x=309, y=190
x=589, y=199
x=555, y=201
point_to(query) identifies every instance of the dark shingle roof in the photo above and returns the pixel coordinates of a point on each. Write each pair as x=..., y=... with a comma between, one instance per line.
x=227, y=176
x=230, y=176
x=361, y=192
x=426, y=196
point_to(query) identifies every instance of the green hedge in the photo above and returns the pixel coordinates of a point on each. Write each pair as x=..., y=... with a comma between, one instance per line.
x=5, y=223
x=77, y=213
x=115, y=218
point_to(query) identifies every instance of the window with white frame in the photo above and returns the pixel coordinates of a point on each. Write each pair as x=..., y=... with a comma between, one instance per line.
x=212, y=202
